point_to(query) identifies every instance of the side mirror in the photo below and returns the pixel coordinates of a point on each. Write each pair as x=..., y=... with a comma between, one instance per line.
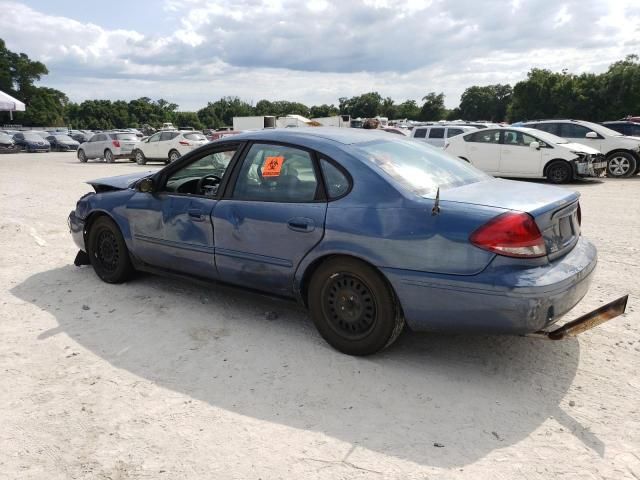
x=591, y=135
x=535, y=145
x=146, y=185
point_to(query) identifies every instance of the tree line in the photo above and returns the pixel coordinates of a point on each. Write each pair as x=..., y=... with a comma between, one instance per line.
x=612, y=94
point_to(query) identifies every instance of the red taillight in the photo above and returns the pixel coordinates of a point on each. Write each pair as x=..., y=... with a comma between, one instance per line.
x=511, y=234
x=116, y=143
x=579, y=215
x=182, y=142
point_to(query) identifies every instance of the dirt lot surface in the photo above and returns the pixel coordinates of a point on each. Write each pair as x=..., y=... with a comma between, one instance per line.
x=163, y=379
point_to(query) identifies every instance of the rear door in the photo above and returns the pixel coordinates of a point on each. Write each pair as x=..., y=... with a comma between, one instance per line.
x=436, y=137
x=270, y=218
x=483, y=150
x=517, y=158
x=577, y=133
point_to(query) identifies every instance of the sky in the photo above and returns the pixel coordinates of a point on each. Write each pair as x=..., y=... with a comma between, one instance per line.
x=312, y=51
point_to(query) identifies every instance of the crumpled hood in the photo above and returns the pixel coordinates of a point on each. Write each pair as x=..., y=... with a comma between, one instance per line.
x=579, y=147
x=119, y=182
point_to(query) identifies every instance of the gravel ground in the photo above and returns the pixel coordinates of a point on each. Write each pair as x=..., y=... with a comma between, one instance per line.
x=162, y=379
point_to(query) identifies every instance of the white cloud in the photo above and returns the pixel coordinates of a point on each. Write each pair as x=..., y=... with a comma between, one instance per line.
x=318, y=51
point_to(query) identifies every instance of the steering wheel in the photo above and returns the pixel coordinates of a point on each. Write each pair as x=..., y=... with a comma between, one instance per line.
x=207, y=180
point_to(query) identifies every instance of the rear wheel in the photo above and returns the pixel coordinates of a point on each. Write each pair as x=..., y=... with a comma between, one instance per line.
x=353, y=307
x=108, y=156
x=559, y=172
x=108, y=252
x=140, y=158
x=173, y=156
x=82, y=156
x=620, y=165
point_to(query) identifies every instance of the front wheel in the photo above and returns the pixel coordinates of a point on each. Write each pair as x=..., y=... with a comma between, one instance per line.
x=108, y=252
x=140, y=159
x=559, y=172
x=353, y=307
x=620, y=165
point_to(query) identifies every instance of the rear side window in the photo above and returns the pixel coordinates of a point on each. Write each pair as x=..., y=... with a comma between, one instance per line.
x=452, y=132
x=127, y=136
x=553, y=128
x=436, y=133
x=194, y=136
x=571, y=130
x=420, y=133
x=484, y=136
x=336, y=182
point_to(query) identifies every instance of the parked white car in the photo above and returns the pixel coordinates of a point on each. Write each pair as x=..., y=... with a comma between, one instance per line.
x=108, y=145
x=527, y=153
x=167, y=146
x=438, y=135
x=622, y=153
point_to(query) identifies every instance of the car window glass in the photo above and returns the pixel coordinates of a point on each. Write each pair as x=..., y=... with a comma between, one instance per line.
x=421, y=133
x=518, y=138
x=166, y=136
x=553, y=128
x=19, y=136
x=203, y=176
x=452, y=132
x=194, y=136
x=436, y=133
x=127, y=137
x=484, y=136
x=635, y=130
x=336, y=182
x=274, y=173
x=155, y=137
x=571, y=130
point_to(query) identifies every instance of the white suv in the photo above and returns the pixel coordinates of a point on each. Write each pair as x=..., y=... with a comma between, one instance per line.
x=622, y=153
x=167, y=146
x=108, y=145
x=438, y=135
x=527, y=153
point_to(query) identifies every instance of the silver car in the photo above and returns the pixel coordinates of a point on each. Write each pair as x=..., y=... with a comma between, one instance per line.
x=108, y=145
x=437, y=135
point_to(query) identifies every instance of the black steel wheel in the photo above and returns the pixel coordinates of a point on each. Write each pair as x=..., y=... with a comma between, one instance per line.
x=108, y=252
x=353, y=307
x=559, y=172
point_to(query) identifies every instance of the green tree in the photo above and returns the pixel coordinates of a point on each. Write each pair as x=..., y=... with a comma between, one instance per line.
x=324, y=110
x=486, y=103
x=408, y=109
x=367, y=105
x=433, y=107
x=188, y=119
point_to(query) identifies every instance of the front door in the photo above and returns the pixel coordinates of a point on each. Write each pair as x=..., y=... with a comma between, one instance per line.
x=172, y=227
x=271, y=219
x=517, y=157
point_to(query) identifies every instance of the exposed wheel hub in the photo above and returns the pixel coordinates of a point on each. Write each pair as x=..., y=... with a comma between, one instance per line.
x=107, y=251
x=350, y=306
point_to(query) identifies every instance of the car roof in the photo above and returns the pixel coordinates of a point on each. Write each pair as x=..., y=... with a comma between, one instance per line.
x=344, y=136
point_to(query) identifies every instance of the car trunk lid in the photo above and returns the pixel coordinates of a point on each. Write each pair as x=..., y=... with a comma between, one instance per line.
x=554, y=209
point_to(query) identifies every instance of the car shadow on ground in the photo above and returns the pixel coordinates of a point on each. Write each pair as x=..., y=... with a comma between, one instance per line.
x=436, y=400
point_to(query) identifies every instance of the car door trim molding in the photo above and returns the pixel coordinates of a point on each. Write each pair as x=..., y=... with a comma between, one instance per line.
x=174, y=244
x=280, y=262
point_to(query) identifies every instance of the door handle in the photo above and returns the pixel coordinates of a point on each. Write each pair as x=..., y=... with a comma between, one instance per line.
x=195, y=214
x=301, y=224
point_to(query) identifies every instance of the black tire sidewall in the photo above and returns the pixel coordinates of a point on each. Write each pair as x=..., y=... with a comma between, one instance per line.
x=82, y=156
x=108, y=156
x=142, y=159
x=124, y=268
x=559, y=164
x=387, y=314
x=633, y=165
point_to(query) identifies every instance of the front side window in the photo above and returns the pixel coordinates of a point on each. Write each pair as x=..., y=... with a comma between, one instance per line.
x=203, y=176
x=154, y=138
x=436, y=133
x=552, y=128
x=484, y=136
x=420, y=133
x=519, y=139
x=336, y=182
x=275, y=173
x=418, y=167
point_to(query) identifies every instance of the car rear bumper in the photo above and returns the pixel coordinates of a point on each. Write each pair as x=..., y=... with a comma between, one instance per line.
x=76, y=227
x=498, y=300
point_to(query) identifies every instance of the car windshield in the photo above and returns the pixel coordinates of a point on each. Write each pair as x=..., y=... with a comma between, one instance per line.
x=602, y=130
x=548, y=137
x=417, y=166
x=127, y=137
x=194, y=136
x=63, y=138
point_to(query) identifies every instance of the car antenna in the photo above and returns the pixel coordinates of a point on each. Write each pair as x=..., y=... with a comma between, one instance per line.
x=436, y=206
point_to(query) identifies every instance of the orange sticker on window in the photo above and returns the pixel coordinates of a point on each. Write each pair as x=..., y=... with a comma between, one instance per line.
x=272, y=166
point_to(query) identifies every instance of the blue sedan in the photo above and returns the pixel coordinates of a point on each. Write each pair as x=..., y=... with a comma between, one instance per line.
x=367, y=230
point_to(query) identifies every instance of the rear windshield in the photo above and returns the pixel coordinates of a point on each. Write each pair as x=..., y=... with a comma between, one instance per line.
x=194, y=136
x=418, y=167
x=32, y=136
x=63, y=138
x=127, y=136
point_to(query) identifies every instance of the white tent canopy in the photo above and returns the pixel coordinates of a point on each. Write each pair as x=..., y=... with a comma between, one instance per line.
x=10, y=104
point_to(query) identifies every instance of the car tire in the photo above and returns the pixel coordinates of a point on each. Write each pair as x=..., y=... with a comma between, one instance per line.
x=108, y=252
x=621, y=165
x=82, y=156
x=559, y=172
x=173, y=156
x=353, y=307
x=140, y=158
x=108, y=156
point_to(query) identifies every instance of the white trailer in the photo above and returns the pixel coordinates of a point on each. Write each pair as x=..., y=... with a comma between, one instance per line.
x=254, y=123
x=335, y=121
